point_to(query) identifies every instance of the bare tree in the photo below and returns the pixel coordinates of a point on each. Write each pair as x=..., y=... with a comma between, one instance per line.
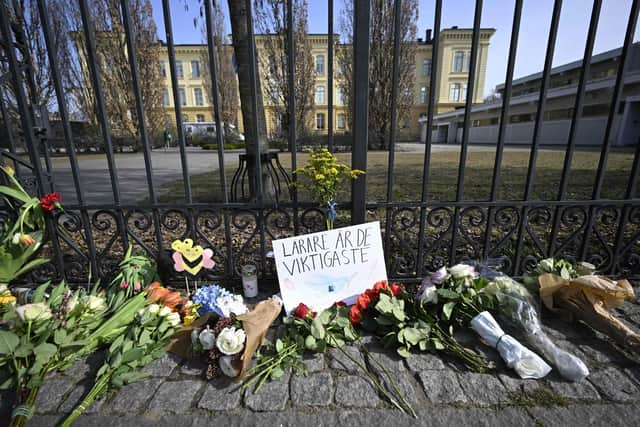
x=271, y=21
x=227, y=84
x=381, y=65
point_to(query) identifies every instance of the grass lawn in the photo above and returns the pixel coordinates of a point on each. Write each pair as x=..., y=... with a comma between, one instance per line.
x=408, y=173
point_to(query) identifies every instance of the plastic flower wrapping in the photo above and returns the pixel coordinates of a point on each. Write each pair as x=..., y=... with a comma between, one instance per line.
x=215, y=299
x=519, y=307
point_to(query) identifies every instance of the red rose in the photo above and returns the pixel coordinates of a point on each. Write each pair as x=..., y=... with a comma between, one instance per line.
x=340, y=304
x=372, y=294
x=380, y=286
x=50, y=201
x=355, y=315
x=396, y=289
x=302, y=311
x=313, y=314
x=363, y=301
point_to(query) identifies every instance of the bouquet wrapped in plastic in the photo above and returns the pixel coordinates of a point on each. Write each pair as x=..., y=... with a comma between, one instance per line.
x=517, y=304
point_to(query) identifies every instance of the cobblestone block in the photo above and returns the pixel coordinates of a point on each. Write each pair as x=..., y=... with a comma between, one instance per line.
x=391, y=361
x=314, y=362
x=442, y=387
x=133, y=397
x=614, y=385
x=85, y=367
x=314, y=390
x=366, y=396
x=338, y=360
x=175, y=396
x=221, y=395
x=162, y=367
x=273, y=395
x=195, y=367
x=424, y=362
x=51, y=395
x=406, y=384
x=517, y=385
x=582, y=390
x=580, y=415
x=483, y=388
x=76, y=396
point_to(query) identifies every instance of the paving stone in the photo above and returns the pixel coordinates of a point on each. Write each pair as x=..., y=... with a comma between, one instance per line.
x=483, y=388
x=162, y=367
x=86, y=367
x=175, y=396
x=273, y=395
x=313, y=390
x=406, y=384
x=7, y=398
x=582, y=390
x=195, y=367
x=338, y=360
x=389, y=359
x=76, y=396
x=580, y=415
x=424, y=362
x=515, y=384
x=365, y=397
x=442, y=387
x=600, y=352
x=134, y=397
x=314, y=362
x=614, y=385
x=51, y=395
x=221, y=394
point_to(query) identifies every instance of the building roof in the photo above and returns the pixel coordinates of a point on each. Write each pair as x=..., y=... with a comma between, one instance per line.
x=601, y=57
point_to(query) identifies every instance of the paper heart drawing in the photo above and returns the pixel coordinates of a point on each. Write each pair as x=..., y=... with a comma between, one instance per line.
x=190, y=258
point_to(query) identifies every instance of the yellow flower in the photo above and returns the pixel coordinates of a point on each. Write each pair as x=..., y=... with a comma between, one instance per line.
x=7, y=299
x=319, y=177
x=188, y=320
x=8, y=170
x=333, y=171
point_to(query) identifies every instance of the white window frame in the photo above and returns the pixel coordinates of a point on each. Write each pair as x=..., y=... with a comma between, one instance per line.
x=182, y=95
x=196, y=101
x=320, y=94
x=454, y=92
x=193, y=75
x=342, y=98
x=426, y=67
x=463, y=92
x=423, y=95
x=320, y=121
x=341, y=121
x=163, y=68
x=319, y=63
x=458, y=61
x=179, y=70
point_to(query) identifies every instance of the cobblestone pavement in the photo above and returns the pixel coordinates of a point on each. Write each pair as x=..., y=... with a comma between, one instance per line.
x=335, y=393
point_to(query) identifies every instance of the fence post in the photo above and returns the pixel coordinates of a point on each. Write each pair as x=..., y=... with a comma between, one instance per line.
x=362, y=10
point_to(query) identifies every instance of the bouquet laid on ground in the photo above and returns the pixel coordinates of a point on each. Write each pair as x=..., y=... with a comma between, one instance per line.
x=307, y=330
x=135, y=272
x=144, y=341
x=325, y=177
x=227, y=333
x=459, y=297
x=20, y=240
x=580, y=293
x=518, y=306
x=403, y=323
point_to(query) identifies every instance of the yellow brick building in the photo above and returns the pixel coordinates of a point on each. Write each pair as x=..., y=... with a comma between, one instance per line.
x=453, y=67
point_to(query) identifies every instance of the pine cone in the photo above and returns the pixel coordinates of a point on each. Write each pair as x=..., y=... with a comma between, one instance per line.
x=213, y=369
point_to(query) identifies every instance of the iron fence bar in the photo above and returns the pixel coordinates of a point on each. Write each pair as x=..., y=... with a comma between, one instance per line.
x=428, y=137
x=537, y=128
x=213, y=72
x=46, y=152
x=504, y=118
x=475, y=40
x=292, y=106
x=171, y=53
x=361, y=43
x=613, y=109
x=575, y=121
x=394, y=121
x=68, y=135
x=27, y=125
x=629, y=196
x=253, y=73
x=10, y=137
x=142, y=125
x=103, y=119
x=330, y=76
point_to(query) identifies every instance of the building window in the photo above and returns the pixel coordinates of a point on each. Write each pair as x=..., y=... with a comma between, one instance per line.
x=342, y=121
x=165, y=97
x=426, y=67
x=320, y=121
x=195, y=69
x=197, y=96
x=320, y=95
x=183, y=96
x=179, y=70
x=454, y=92
x=458, y=61
x=342, y=100
x=163, y=69
x=463, y=95
x=200, y=118
x=185, y=118
x=320, y=65
x=423, y=95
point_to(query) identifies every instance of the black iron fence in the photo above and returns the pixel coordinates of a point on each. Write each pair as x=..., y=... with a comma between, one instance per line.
x=421, y=235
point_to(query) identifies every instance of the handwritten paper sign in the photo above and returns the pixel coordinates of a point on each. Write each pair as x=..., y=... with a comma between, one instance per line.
x=321, y=268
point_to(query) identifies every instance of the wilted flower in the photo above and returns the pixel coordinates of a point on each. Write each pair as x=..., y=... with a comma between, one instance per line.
x=461, y=271
x=33, y=312
x=173, y=319
x=8, y=170
x=207, y=339
x=231, y=341
x=137, y=287
x=123, y=284
x=439, y=276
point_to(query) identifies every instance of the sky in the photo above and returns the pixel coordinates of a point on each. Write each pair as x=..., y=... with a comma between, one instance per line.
x=498, y=14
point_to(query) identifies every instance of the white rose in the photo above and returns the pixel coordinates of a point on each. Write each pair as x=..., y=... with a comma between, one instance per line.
x=194, y=336
x=174, y=319
x=16, y=239
x=461, y=271
x=207, y=339
x=231, y=341
x=3, y=288
x=153, y=308
x=72, y=303
x=231, y=304
x=164, y=312
x=93, y=303
x=33, y=312
x=430, y=294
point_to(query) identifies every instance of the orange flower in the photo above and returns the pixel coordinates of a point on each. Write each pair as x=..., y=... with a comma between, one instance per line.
x=381, y=286
x=363, y=301
x=157, y=294
x=355, y=315
x=153, y=286
x=171, y=299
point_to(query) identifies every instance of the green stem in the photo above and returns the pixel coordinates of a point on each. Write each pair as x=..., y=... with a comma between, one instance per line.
x=99, y=387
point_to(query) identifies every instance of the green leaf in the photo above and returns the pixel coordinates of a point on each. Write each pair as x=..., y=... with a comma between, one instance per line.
x=384, y=321
x=403, y=351
x=38, y=295
x=384, y=304
x=23, y=350
x=565, y=274
x=448, y=294
x=324, y=317
x=350, y=333
x=317, y=329
x=59, y=336
x=15, y=194
x=276, y=373
x=8, y=342
x=437, y=344
x=412, y=336
x=423, y=344
x=398, y=313
x=133, y=354
x=279, y=345
x=447, y=309
x=310, y=342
